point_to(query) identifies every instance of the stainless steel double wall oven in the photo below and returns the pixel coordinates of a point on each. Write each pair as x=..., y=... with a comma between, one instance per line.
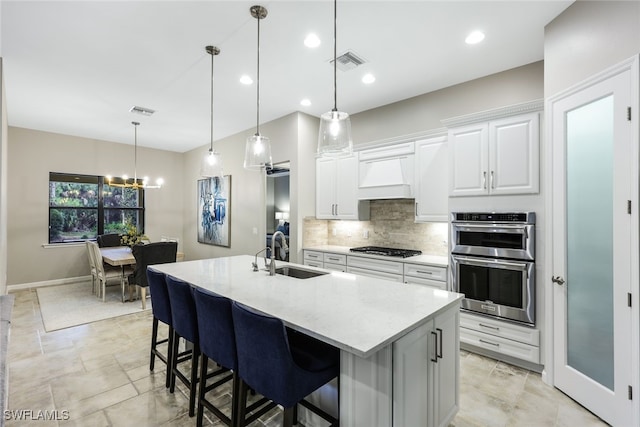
x=493, y=263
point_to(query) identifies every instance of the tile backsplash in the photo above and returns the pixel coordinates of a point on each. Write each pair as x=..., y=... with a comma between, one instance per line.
x=391, y=224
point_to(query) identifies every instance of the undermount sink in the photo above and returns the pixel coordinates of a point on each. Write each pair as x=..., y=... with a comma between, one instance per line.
x=298, y=273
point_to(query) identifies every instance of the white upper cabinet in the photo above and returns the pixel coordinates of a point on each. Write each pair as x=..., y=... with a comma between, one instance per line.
x=431, y=180
x=337, y=189
x=495, y=157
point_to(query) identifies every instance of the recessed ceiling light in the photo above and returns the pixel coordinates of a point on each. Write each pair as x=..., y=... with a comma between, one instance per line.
x=368, y=79
x=312, y=40
x=474, y=37
x=246, y=80
x=305, y=102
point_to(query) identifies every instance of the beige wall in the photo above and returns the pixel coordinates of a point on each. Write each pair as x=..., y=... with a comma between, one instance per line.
x=33, y=155
x=248, y=188
x=587, y=38
x=424, y=112
x=3, y=183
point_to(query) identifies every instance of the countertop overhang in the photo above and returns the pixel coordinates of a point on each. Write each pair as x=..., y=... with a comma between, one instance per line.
x=357, y=314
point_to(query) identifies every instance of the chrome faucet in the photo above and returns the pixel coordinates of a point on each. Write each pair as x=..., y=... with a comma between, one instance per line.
x=254, y=264
x=272, y=264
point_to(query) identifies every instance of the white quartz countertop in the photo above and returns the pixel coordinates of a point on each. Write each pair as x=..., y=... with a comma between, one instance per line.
x=434, y=260
x=355, y=313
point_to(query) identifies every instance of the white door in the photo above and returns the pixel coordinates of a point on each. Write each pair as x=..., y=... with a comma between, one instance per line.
x=595, y=244
x=431, y=183
x=468, y=152
x=325, y=188
x=347, y=187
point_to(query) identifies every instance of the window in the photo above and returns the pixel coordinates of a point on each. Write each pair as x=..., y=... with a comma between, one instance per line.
x=82, y=206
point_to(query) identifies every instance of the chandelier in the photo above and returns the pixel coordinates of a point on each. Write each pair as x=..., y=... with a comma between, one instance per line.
x=135, y=183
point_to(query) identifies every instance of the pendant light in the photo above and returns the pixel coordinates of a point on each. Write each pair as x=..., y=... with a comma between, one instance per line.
x=135, y=184
x=334, y=136
x=212, y=161
x=257, y=153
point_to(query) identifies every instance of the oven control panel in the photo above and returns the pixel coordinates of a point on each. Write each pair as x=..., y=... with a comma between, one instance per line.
x=523, y=217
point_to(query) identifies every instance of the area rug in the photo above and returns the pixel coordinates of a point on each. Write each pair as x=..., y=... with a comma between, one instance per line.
x=70, y=305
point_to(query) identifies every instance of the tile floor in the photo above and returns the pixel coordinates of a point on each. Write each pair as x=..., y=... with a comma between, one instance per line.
x=99, y=373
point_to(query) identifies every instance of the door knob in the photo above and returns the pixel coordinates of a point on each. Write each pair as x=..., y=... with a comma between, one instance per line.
x=557, y=279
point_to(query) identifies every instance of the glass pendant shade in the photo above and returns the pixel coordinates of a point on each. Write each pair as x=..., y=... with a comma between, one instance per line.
x=334, y=136
x=257, y=153
x=211, y=165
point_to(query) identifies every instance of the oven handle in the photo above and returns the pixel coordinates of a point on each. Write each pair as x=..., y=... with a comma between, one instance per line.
x=482, y=263
x=503, y=228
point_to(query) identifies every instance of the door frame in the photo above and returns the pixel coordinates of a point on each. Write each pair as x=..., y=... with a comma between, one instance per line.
x=630, y=64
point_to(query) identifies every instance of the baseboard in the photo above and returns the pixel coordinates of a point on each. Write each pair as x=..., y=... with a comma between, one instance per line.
x=55, y=282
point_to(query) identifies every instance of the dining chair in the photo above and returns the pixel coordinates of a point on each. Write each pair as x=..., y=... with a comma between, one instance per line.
x=146, y=255
x=185, y=326
x=102, y=274
x=92, y=268
x=282, y=365
x=161, y=309
x=108, y=240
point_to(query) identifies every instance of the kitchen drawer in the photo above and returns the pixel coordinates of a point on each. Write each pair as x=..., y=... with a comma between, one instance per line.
x=500, y=345
x=500, y=329
x=392, y=267
x=377, y=274
x=335, y=267
x=335, y=258
x=312, y=263
x=313, y=256
x=426, y=272
x=426, y=282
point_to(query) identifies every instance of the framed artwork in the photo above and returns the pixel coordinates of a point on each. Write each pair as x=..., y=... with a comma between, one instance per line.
x=214, y=211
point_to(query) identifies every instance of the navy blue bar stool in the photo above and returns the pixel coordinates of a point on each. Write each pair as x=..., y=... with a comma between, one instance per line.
x=185, y=325
x=282, y=365
x=218, y=343
x=161, y=309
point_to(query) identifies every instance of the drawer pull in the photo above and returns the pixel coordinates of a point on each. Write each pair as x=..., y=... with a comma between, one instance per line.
x=333, y=259
x=490, y=343
x=435, y=350
x=424, y=272
x=495, y=328
x=312, y=256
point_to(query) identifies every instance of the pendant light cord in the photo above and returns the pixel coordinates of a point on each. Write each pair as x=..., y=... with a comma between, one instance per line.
x=211, y=147
x=258, y=82
x=335, y=55
x=135, y=151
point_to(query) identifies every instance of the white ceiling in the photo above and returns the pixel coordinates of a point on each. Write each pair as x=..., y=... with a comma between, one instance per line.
x=77, y=67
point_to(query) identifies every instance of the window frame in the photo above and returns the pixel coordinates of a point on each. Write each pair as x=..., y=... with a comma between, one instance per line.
x=100, y=208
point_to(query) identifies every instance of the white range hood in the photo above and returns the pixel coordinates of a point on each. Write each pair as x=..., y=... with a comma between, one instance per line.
x=386, y=172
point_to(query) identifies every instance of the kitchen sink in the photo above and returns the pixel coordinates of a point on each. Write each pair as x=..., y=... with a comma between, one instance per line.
x=298, y=273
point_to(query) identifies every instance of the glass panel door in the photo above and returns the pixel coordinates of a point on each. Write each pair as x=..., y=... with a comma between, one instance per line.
x=590, y=240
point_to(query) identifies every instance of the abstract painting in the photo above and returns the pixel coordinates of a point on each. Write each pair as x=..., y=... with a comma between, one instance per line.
x=214, y=209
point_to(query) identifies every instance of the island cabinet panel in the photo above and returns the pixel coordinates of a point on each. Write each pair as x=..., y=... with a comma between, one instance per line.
x=426, y=373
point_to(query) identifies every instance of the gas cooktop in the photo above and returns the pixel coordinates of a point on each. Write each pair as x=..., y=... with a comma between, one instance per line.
x=379, y=250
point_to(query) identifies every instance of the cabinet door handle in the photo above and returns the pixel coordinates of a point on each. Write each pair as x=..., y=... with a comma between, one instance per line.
x=336, y=209
x=484, y=180
x=493, y=183
x=435, y=351
x=439, y=353
x=416, y=208
x=488, y=326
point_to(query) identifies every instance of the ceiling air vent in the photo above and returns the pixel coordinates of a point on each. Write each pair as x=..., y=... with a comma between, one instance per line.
x=348, y=61
x=141, y=110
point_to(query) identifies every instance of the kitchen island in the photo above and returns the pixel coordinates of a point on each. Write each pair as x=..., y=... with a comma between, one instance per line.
x=399, y=343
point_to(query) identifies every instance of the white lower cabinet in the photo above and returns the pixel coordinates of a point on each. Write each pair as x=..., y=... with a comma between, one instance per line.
x=373, y=267
x=426, y=373
x=419, y=274
x=519, y=342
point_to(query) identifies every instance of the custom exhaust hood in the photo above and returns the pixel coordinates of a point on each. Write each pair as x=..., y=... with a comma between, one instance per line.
x=386, y=172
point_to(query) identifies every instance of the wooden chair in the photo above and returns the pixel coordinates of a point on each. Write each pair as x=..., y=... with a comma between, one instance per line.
x=92, y=267
x=102, y=274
